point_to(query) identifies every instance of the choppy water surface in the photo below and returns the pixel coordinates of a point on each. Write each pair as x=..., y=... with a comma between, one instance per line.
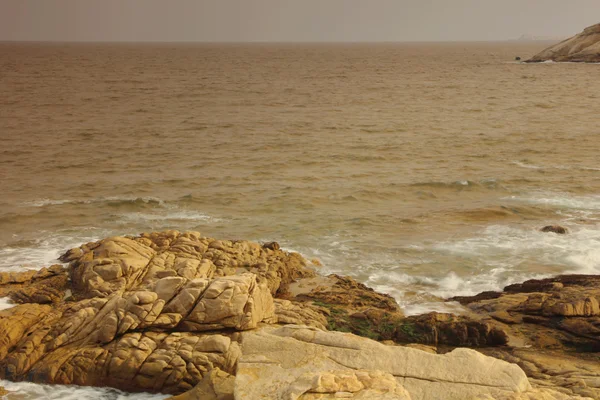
x=421, y=169
x=424, y=170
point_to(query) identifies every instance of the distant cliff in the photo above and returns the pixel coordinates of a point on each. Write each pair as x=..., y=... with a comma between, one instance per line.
x=584, y=47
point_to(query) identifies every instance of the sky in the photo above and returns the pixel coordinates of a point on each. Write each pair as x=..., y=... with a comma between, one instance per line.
x=296, y=21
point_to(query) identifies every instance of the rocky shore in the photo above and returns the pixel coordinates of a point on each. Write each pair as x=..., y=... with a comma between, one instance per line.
x=583, y=47
x=201, y=318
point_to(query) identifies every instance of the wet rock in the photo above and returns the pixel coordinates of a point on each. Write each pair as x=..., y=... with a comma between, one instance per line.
x=350, y=306
x=438, y=328
x=23, y=285
x=271, y=246
x=481, y=296
x=555, y=229
x=351, y=294
x=42, y=291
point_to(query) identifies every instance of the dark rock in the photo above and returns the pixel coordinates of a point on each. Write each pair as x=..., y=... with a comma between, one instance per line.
x=555, y=228
x=447, y=329
x=478, y=297
x=271, y=246
x=555, y=283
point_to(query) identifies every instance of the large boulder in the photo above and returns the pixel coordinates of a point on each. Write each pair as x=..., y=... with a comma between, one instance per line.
x=584, y=47
x=155, y=312
x=295, y=362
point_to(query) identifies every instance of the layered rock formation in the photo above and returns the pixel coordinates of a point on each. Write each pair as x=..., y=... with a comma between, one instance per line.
x=584, y=47
x=553, y=326
x=208, y=319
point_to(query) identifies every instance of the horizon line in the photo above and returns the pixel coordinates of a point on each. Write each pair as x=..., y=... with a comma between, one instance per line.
x=274, y=42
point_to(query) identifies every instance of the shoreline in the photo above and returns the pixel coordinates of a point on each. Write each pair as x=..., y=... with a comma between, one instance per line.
x=182, y=288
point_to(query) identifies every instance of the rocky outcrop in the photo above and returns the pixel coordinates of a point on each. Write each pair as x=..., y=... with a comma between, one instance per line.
x=137, y=308
x=48, y=285
x=201, y=318
x=553, y=328
x=584, y=47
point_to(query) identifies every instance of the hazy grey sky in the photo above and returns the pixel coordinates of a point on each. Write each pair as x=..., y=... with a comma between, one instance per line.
x=286, y=20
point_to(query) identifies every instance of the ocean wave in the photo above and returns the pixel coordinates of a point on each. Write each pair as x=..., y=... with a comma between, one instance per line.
x=27, y=390
x=46, y=202
x=497, y=257
x=172, y=215
x=462, y=184
x=6, y=303
x=527, y=250
x=523, y=164
x=42, y=252
x=560, y=200
x=114, y=201
x=435, y=184
x=421, y=275
x=418, y=294
x=433, y=306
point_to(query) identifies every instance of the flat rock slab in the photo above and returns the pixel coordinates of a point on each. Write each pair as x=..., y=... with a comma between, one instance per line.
x=294, y=362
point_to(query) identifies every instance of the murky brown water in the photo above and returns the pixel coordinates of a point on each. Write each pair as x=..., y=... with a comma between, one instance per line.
x=422, y=169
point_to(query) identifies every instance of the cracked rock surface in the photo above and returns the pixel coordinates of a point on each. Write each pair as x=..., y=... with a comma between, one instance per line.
x=208, y=319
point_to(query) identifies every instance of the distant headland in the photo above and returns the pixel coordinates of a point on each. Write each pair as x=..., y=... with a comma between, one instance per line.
x=584, y=47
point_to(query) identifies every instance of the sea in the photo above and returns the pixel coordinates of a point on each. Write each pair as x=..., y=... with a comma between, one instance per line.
x=424, y=170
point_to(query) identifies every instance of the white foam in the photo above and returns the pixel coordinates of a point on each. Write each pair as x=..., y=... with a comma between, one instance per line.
x=513, y=247
x=52, y=202
x=46, y=202
x=175, y=215
x=489, y=260
x=34, y=391
x=528, y=166
x=6, y=303
x=451, y=307
x=45, y=251
x=559, y=167
x=561, y=200
x=419, y=294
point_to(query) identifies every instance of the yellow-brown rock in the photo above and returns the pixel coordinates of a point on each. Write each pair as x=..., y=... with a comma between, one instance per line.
x=216, y=385
x=180, y=313
x=553, y=326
